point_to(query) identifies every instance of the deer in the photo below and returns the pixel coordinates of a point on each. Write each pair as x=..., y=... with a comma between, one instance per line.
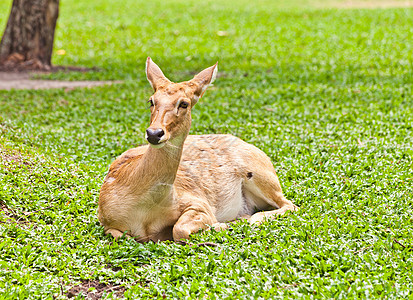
x=180, y=184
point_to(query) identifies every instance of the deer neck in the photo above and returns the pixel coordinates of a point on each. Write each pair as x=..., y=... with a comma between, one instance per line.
x=155, y=174
x=162, y=164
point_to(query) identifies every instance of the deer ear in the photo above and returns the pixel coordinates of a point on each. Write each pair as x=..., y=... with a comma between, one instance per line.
x=154, y=75
x=202, y=80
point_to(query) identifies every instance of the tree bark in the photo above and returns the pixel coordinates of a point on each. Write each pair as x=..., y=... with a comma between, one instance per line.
x=27, y=42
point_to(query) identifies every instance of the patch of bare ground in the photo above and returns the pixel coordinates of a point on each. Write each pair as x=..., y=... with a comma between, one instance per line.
x=8, y=156
x=371, y=4
x=9, y=159
x=9, y=215
x=93, y=289
x=24, y=81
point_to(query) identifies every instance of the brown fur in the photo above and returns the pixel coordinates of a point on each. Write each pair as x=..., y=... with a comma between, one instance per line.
x=186, y=183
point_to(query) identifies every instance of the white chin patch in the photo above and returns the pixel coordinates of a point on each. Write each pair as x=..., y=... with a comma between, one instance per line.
x=157, y=146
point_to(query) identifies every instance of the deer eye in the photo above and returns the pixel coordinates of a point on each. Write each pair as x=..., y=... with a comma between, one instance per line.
x=183, y=104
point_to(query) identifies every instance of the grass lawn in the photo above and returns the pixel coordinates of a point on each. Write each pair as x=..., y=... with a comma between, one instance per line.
x=325, y=92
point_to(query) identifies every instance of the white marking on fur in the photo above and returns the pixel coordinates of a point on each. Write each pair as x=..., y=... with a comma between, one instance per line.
x=233, y=203
x=214, y=75
x=110, y=180
x=146, y=71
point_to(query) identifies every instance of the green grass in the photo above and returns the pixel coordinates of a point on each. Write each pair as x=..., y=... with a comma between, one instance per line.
x=326, y=93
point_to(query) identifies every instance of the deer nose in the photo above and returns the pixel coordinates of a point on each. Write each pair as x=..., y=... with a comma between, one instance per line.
x=154, y=135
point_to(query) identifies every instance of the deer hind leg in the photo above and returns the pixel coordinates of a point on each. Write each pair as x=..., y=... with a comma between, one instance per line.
x=198, y=215
x=264, y=190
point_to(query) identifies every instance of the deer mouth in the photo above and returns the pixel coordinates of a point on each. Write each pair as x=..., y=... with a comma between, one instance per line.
x=156, y=137
x=156, y=142
x=157, y=146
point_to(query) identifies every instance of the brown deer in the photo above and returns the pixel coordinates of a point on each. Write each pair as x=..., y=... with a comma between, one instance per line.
x=179, y=184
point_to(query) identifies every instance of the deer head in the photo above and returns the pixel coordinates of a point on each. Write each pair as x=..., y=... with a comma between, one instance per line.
x=171, y=104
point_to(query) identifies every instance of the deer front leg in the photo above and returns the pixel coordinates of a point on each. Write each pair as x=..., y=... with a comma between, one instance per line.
x=116, y=233
x=194, y=218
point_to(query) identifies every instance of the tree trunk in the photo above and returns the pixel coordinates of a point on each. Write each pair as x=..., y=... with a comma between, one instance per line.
x=27, y=42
